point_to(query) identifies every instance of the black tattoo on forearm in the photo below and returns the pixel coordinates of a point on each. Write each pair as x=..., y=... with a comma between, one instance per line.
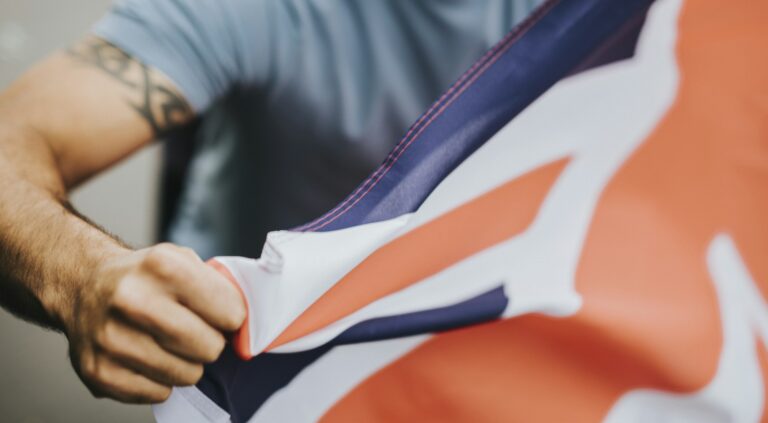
x=163, y=109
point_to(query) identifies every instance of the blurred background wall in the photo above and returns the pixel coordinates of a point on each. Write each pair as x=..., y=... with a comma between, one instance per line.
x=37, y=383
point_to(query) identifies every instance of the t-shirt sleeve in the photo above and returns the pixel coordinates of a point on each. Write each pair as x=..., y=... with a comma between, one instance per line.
x=205, y=46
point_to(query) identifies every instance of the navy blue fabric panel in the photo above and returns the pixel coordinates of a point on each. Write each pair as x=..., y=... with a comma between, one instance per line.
x=241, y=387
x=619, y=46
x=554, y=41
x=484, y=307
x=217, y=378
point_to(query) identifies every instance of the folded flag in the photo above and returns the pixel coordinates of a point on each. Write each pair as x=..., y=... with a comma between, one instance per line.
x=576, y=231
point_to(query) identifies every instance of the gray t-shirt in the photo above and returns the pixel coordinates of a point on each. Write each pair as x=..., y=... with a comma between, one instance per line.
x=300, y=99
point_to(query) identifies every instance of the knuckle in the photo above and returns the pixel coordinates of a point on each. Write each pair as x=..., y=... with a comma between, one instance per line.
x=160, y=395
x=107, y=337
x=238, y=317
x=213, y=348
x=185, y=374
x=88, y=369
x=188, y=252
x=126, y=297
x=166, y=246
x=161, y=261
x=192, y=375
x=91, y=374
x=197, y=374
x=96, y=374
x=101, y=375
x=233, y=323
x=234, y=317
x=102, y=340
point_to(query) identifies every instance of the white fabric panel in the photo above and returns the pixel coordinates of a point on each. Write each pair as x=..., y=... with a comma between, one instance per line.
x=295, y=269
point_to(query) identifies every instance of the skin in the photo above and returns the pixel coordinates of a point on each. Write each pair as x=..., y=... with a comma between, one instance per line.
x=138, y=321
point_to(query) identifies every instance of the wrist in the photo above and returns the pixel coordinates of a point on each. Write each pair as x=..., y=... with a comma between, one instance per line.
x=62, y=296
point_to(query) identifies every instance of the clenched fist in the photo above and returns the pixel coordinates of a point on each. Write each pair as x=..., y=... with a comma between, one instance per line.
x=147, y=321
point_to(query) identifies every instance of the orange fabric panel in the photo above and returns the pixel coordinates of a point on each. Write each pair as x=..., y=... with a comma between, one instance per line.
x=472, y=227
x=650, y=317
x=510, y=370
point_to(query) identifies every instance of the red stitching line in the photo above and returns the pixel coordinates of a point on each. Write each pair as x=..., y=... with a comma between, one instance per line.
x=413, y=127
x=398, y=151
x=382, y=174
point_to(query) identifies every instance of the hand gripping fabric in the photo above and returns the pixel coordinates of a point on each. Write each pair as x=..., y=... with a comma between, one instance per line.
x=589, y=254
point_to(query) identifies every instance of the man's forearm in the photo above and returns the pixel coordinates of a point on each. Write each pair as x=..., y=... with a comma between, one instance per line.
x=45, y=247
x=138, y=322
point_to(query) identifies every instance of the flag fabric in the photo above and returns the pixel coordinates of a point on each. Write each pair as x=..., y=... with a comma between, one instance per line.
x=576, y=231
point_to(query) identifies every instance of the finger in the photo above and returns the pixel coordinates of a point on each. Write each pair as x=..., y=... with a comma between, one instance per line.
x=173, y=326
x=213, y=297
x=198, y=286
x=190, y=253
x=108, y=378
x=141, y=352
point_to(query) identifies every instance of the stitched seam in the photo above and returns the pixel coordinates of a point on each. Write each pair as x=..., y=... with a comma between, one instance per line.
x=413, y=128
x=399, y=153
x=400, y=144
x=470, y=76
